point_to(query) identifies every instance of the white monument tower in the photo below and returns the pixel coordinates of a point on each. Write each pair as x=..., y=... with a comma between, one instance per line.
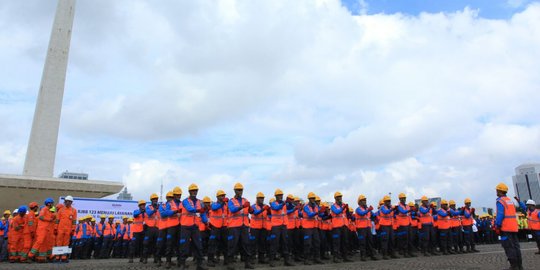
x=37, y=181
x=41, y=152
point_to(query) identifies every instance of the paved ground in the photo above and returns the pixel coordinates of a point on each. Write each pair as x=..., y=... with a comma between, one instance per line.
x=490, y=257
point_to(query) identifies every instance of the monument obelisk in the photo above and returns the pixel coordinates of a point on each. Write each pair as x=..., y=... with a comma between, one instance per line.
x=41, y=153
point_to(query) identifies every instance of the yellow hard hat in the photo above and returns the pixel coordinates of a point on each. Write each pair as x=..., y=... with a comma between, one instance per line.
x=424, y=198
x=117, y=221
x=238, y=186
x=278, y=192
x=386, y=198
x=311, y=195
x=93, y=219
x=220, y=193
x=154, y=196
x=130, y=219
x=338, y=194
x=290, y=197
x=502, y=187
x=350, y=210
x=411, y=204
x=402, y=195
x=444, y=202
x=7, y=212
x=111, y=216
x=317, y=198
x=467, y=200
x=124, y=217
x=142, y=202
x=296, y=199
x=193, y=187
x=452, y=202
x=3, y=218
x=381, y=202
x=206, y=199
x=361, y=197
x=170, y=194
x=89, y=216
x=177, y=191
x=260, y=195
x=81, y=218
x=103, y=216
x=272, y=200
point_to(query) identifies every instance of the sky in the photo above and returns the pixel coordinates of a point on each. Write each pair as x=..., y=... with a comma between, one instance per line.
x=431, y=97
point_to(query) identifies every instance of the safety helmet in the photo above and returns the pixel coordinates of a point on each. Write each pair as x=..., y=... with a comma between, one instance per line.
x=124, y=217
x=170, y=194
x=290, y=197
x=48, y=200
x=278, y=192
x=452, y=202
x=111, y=216
x=317, y=198
x=502, y=187
x=117, y=221
x=193, y=187
x=93, y=220
x=411, y=204
x=238, y=186
x=467, y=200
x=130, y=219
x=311, y=195
x=386, y=198
x=33, y=204
x=102, y=216
x=260, y=195
x=141, y=202
x=206, y=199
x=361, y=197
x=272, y=200
x=68, y=198
x=154, y=196
x=444, y=202
x=338, y=194
x=177, y=191
x=22, y=209
x=530, y=202
x=381, y=202
x=296, y=198
x=220, y=193
x=16, y=211
x=7, y=212
x=402, y=195
x=424, y=198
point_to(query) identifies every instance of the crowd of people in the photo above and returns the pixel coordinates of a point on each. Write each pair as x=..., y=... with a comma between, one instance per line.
x=286, y=229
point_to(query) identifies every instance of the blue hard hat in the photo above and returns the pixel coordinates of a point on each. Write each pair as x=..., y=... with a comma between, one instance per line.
x=22, y=209
x=48, y=200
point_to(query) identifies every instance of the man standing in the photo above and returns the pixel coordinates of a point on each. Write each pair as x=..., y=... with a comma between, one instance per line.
x=339, y=212
x=258, y=230
x=29, y=233
x=455, y=228
x=443, y=223
x=108, y=236
x=137, y=229
x=278, y=233
x=170, y=215
x=506, y=226
x=533, y=220
x=189, y=232
x=467, y=221
x=386, y=232
x=16, y=239
x=4, y=229
x=238, y=225
x=362, y=217
x=67, y=220
x=43, y=232
x=151, y=234
x=403, y=219
x=217, y=243
x=310, y=221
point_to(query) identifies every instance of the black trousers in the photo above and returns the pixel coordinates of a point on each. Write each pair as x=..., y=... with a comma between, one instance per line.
x=150, y=240
x=106, y=247
x=456, y=238
x=259, y=242
x=312, y=243
x=386, y=234
x=171, y=240
x=238, y=239
x=217, y=242
x=278, y=240
x=427, y=239
x=190, y=237
x=98, y=242
x=468, y=237
x=340, y=241
x=325, y=241
x=134, y=244
x=365, y=241
x=413, y=238
x=444, y=239
x=510, y=243
x=403, y=239
x=160, y=243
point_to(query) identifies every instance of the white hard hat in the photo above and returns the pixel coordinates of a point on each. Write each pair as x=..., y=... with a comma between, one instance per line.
x=16, y=211
x=530, y=202
x=68, y=198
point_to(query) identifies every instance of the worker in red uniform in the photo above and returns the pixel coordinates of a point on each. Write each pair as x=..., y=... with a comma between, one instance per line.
x=278, y=233
x=258, y=230
x=16, y=238
x=189, y=232
x=362, y=218
x=217, y=218
x=29, y=233
x=66, y=220
x=43, y=232
x=152, y=232
x=507, y=227
x=311, y=236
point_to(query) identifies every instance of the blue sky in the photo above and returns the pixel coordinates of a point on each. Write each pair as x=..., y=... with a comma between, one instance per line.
x=300, y=95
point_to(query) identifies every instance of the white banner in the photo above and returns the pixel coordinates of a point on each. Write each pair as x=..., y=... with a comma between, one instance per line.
x=97, y=207
x=61, y=250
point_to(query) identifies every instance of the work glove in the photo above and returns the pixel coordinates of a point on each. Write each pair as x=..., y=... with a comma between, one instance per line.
x=346, y=206
x=370, y=208
x=226, y=199
x=266, y=207
x=246, y=204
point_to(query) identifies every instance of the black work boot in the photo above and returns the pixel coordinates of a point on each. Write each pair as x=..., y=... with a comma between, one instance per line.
x=248, y=265
x=287, y=261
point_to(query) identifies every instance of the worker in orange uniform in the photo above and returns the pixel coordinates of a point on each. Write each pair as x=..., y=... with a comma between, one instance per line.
x=189, y=231
x=238, y=226
x=137, y=229
x=311, y=236
x=325, y=229
x=467, y=220
x=126, y=238
x=163, y=225
x=258, y=231
x=455, y=228
x=292, y=231
x=217, y=218
x=66, y=220
x=44, y=232
x=413, y=233
x=100, y=228
x=339, y=211
x=109, y=233
x=507, y=227
x=4, y=229
x=386, y=232
x=533, y=219
x=29, y=233
x=151, y=234
x=404, y=226
x=16, y=238
x=443, y=223
x=171, y=212
x=204, y=226
x=427, y=233
x=278, y=233
x=362, y=217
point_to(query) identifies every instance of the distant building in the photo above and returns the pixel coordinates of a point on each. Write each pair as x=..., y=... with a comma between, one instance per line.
x=437, y=201
x=527, y=182
x=72, y=175
x=124, y=195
